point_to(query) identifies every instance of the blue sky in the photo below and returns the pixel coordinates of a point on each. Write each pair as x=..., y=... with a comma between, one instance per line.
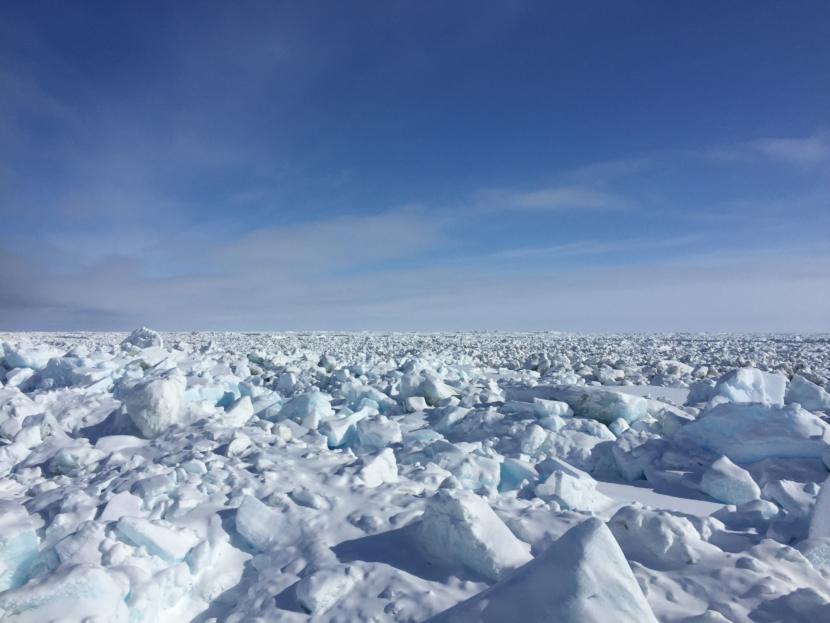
x=591, y=166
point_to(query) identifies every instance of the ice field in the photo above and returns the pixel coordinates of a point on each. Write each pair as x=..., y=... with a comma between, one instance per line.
x=412, y=477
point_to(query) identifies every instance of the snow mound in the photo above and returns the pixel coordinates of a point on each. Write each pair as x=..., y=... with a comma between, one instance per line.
x=658, y=539
x=582, y=578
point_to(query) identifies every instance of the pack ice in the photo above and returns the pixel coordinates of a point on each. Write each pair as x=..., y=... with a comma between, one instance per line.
x=410, y=477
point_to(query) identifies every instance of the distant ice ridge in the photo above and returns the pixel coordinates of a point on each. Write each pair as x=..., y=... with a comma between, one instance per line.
x=330, y=477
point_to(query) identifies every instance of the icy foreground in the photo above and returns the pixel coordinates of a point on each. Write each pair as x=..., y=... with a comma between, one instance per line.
x=452, y=477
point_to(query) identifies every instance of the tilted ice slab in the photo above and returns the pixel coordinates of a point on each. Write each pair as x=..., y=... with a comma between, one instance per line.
x=820, y=519
x=728, y=483
x=582, y=578
x=807, y=394
x=458, y=526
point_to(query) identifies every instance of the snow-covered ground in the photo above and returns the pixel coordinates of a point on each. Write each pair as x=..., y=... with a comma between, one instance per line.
x=399, y=477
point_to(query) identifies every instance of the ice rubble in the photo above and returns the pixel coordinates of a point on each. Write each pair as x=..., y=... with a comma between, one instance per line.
x=392, y=477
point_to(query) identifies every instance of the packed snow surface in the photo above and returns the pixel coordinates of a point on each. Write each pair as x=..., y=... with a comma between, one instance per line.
x=410, y=477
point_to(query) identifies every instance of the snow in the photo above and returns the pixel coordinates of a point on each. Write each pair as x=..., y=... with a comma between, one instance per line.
x=582, y=578
x=658, y=539
x=337, y=477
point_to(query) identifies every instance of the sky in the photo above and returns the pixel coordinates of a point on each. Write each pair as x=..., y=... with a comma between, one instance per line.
x=415, y=166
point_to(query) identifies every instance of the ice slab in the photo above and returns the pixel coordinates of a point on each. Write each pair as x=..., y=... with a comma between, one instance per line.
x=749, y=385
x=750, y=432
x=809, y=395
x=18, y=545
x=728, y=483
x=155, y=404
x=458, y=526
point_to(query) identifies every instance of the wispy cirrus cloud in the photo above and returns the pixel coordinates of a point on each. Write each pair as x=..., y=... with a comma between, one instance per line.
x=799, y=151
x=808, y=150
x=552, y=198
